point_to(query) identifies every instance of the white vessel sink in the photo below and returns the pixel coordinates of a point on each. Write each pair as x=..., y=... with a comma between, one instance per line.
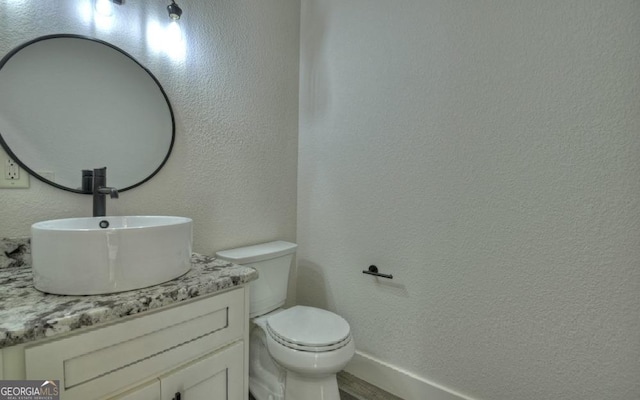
x=76, y=256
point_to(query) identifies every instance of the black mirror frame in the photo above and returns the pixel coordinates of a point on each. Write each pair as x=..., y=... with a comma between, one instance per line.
x=15, y=158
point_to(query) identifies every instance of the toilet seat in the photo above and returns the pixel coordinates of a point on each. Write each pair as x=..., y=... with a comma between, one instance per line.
x=309, y=329
x=312, y=349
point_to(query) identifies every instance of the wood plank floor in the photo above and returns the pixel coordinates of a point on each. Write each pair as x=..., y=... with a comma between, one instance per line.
x=352, y=388
x=358, y=389
x=346, y=396
x=343, y=396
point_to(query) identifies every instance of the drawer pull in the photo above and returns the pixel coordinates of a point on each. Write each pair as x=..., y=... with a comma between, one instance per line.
x=177, y=396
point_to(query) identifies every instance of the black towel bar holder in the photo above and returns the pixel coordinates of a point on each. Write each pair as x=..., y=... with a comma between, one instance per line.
x=373, y=270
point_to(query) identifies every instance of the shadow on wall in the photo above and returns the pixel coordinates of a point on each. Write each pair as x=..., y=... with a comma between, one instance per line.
x=312, y=288
x=391, y=287
x=313, y=67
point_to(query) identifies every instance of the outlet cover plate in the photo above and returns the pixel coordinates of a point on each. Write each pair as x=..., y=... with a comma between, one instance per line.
x=22, y=181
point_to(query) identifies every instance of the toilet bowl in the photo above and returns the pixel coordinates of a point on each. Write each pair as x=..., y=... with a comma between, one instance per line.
x=294, y=353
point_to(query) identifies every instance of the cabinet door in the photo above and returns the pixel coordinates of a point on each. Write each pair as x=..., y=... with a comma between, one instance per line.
x=215, y=376
x=95, y=363
x=146, y=392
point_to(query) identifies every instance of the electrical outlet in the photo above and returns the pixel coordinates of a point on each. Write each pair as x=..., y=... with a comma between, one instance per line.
x=11, y=170
x=14, y=177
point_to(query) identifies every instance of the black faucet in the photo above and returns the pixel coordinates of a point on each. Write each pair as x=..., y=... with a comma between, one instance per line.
x=100, y=189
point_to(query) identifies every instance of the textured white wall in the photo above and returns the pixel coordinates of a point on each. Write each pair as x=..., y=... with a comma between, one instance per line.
x=487, y=153
x=234, y=91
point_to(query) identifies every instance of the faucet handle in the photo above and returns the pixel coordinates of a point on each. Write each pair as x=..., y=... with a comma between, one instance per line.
x=112, y=192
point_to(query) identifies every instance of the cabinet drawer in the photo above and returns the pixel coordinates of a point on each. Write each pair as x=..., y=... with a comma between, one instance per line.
x=92, y=364
x=214, y=376
x=150, y=391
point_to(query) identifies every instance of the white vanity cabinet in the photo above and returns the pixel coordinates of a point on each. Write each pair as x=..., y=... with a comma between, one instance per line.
x=197, y=349
x=149, y=391
x=214, y=376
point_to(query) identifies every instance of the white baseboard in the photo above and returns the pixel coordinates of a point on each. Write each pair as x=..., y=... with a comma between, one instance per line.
x=396, y=381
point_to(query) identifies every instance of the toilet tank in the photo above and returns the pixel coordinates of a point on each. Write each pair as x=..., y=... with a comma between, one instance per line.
x=272, y=261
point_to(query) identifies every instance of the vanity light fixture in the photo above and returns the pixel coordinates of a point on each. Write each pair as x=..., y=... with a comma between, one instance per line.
x=174, y=11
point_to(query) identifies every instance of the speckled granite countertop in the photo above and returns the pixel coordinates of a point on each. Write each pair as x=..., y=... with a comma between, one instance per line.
x=27, y=314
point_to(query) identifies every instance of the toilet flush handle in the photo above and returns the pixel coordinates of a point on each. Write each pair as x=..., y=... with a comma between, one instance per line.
x=373, y=270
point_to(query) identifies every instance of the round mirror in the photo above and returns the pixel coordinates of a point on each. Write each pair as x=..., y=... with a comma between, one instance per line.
x=70, y=103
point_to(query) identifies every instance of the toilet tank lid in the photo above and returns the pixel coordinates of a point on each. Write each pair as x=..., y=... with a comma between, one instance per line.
x=258, y=252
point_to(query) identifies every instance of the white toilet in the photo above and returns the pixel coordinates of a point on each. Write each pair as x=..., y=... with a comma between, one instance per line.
x=295, y=353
